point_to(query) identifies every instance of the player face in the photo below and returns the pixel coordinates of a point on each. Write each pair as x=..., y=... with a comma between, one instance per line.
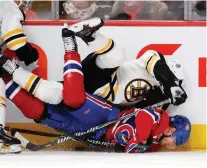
x=168, y=141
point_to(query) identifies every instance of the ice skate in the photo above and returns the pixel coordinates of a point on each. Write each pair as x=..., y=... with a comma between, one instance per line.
x=86, y=29
x=69, y=40
x=7, y=140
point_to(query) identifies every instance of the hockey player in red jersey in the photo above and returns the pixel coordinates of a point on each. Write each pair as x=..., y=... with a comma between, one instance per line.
x=72, y=110
x=108, y=74
x=147, y=127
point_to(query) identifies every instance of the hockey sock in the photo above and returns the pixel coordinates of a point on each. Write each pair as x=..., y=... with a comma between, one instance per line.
x=73, y=85
x=30, y=106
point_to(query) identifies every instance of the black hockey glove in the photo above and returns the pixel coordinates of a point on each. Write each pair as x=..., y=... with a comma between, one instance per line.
x=27, y=53
x=176, y=93
x=172, y=86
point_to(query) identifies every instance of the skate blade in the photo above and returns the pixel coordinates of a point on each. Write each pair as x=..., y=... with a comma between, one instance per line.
x=12, y=149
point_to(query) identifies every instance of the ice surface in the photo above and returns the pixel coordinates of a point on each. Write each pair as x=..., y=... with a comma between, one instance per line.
x=71, y=159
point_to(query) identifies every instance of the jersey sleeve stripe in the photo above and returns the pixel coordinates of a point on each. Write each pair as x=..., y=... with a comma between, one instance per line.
x=30, y=82
x=17, y=43
x=12, y=90
x=12, y=33
x=18, y=36
x=34, y=84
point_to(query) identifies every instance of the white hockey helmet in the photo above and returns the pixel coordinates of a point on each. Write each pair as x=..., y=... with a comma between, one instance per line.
x=176, y=68
x=25, y=5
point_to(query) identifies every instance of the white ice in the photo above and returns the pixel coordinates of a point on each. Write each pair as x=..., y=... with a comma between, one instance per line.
x=71, y=159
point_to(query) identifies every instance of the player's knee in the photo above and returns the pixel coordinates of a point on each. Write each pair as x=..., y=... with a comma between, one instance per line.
x=74, y=94
x=151, y=53
x=112, y=59
x=74, y=101
x=33, y=111
x=49, y=92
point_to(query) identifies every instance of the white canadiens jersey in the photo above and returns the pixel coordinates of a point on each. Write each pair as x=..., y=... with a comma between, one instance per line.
x=10, y=24
x=131, y=81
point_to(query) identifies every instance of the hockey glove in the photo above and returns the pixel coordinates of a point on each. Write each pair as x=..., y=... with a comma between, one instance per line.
x=134, y=146
x=177, y=93
x=121, y=139
x=27, y=53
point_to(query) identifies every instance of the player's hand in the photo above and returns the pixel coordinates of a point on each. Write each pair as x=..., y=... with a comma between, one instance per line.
x=28, y=54
x=133, y=146
x=178, y=95
x=121, y=139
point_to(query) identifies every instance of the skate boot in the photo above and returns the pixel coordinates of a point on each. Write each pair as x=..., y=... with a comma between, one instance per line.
x=86, y=29
x=8, y=144
x=69, y=39
x=8, y=65
x=7, y=140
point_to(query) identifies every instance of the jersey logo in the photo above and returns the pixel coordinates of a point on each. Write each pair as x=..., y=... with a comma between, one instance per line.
x=87, y=111
x=136, y=90
x=126, y=129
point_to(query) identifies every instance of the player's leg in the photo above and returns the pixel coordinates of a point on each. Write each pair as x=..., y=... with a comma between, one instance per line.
x=59, y=118
x=29, y=105
x=47, y=91
x=109, y=54
x=73, y=84
x=4, y=138
x=99, y=66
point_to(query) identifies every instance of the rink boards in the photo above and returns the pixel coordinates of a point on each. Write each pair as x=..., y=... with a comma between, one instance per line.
x=184, y=41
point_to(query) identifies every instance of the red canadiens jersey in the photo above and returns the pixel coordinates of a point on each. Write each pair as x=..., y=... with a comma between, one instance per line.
x=137, y=129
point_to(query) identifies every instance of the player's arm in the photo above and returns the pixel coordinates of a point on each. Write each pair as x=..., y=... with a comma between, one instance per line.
x=155, y=65
x=144, y=121
x=14, y=37
x=139, y=142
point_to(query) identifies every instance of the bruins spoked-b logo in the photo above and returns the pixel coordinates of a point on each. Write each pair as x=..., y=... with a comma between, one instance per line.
x=136, y=90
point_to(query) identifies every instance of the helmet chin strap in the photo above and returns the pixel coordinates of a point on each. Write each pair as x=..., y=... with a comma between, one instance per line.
x=162, y=137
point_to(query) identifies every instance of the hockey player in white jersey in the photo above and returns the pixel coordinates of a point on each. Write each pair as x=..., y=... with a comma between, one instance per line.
x=12, y=34
x=139, y=82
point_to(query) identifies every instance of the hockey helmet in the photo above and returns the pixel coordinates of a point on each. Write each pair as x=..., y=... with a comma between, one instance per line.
x=25, y=5
x=176, y=68
x=183, y=129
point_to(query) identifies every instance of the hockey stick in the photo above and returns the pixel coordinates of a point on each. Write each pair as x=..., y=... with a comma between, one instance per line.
x=33, y=147
x=93, y=129
x=13, y=130
x=39, y=133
